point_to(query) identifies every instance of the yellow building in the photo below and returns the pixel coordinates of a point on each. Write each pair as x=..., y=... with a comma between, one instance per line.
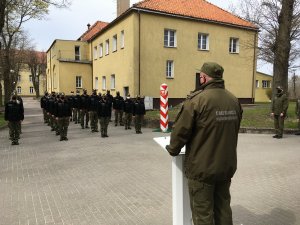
x=263, y=84
x=157, y=41
x=24, y=85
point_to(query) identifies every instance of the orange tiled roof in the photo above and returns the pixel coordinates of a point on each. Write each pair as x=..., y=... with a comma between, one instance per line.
x=94, y=29
x=198, y=9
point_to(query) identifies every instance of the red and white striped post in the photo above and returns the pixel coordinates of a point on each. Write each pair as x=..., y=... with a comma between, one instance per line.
x=164, y=119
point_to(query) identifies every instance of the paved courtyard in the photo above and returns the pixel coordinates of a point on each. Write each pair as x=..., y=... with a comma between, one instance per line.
x=126, y=178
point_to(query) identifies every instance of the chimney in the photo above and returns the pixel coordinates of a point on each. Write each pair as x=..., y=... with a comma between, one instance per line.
x=122, y=6
x=88, y=25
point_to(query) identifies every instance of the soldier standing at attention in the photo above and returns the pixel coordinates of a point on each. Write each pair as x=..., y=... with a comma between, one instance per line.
x=279, y=108
x=110, y=99
x=128, y=109
x=76, y=107
x=138, y=113
x=70, y=101
x=84, y=98
x=63, y=114
x=118, y=106
x=44, y=100
x=208, y=125
x=92, y=106
x=14, y=114
x=51, y=103
x=104, y=112
x=298, y=115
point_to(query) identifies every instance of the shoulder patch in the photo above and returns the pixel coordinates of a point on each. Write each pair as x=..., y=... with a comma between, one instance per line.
x=193, y=94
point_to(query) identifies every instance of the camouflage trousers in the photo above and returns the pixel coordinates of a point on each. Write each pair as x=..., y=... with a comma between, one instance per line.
x=84, y=113
x=63, y=124
x=45, y=116
x=279, y=124
x=119, y=117
x=76, y=115
x=104, y=121
x=14, y=130
x=138, y=122
x=128, y=119
x=94, y=120
x=210, y=203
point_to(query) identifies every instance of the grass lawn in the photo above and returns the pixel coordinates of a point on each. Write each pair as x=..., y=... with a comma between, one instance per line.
x=254, y=116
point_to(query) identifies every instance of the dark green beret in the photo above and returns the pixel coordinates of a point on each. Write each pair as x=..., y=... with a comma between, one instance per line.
x=214, y=70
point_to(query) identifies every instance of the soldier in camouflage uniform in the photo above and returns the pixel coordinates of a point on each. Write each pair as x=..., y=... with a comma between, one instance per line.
x=84, y=110
x=208, y=125
x=298, y=115
x=63, y=114
x=138, y=113
x=76, y=107
x=14, y=114
x=50, y=106
x=92, y=107
x=118, y=106
x=44, y=100
x=128, y=109
x=104, y=113
x=279, y=108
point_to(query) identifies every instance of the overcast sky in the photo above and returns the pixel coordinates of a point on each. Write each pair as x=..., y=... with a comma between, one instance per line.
x=69, y=24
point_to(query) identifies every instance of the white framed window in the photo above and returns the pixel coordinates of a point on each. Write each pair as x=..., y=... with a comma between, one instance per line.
x=30, y=78
x=19, y=90
x=100, y=50
x=122, y=39
x=115, y=41
x=266, y=84
x=19, y=78
x=170, y=38
x=103, y=83
x=234, y=45
x=31, y=90
x=107, y=47
x=203, y=41
x=170, y=69
x=77, y=52
x=95, y=52
x=257, y=83
x=112, y=81
x=96, y=83
x=78, y=82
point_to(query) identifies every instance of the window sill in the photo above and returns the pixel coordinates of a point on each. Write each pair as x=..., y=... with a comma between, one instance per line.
x=170, y=78
x=113, y=89
x=175, y=47
x=114, y=51
x=234, y=53
x=122, y=48
x=203, y=50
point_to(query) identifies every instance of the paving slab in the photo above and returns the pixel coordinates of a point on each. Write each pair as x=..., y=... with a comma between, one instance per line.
x=126, y=178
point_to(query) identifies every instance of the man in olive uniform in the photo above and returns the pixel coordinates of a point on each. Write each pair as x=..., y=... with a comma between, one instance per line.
x=298, y=115
x=138, y=113
x=44, y=100
x=208, y=125
x=14, y=114
x=76, y=107
x=50, y=106
x=63, y=114
x=70, y=101
x=118, y=106
x=279, y=108
x=84, y=98
x=92, y=107
x=104, y=113
x=128, y=109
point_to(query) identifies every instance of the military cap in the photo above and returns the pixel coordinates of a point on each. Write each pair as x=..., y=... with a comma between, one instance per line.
x=212, y=69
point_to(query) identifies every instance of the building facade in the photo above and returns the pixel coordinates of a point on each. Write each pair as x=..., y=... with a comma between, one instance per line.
x=150, y=44
x=263, y=85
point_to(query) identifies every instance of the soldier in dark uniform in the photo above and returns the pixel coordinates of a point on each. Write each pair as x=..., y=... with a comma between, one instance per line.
x=44, y=100
x=76, y=107
x=92, y=107
x=70, y=101
x=118, y=106
x=128, y=109
x=20, y=102
x=14, y=114
x=208, y=125
x=298, y=115
x=50, y=107
x=104, y=113
x=110, y=100
x=63, y=114
x=279, y=108
x=55, y=121
x=138, y=113
x=84, y=98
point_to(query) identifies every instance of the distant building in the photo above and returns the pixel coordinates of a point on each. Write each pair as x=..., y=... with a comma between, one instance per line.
x=263, y=84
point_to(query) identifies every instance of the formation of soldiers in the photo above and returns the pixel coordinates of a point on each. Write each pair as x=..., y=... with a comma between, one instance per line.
x=92, y=109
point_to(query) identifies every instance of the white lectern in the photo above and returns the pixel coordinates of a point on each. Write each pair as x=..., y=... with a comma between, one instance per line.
x=182, y=214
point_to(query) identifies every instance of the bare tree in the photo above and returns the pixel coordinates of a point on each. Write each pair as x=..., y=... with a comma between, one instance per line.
x=279, y=24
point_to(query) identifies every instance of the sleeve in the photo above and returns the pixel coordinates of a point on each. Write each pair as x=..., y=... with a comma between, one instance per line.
x=285, y=104
x=182, y=129
x=6, y=113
